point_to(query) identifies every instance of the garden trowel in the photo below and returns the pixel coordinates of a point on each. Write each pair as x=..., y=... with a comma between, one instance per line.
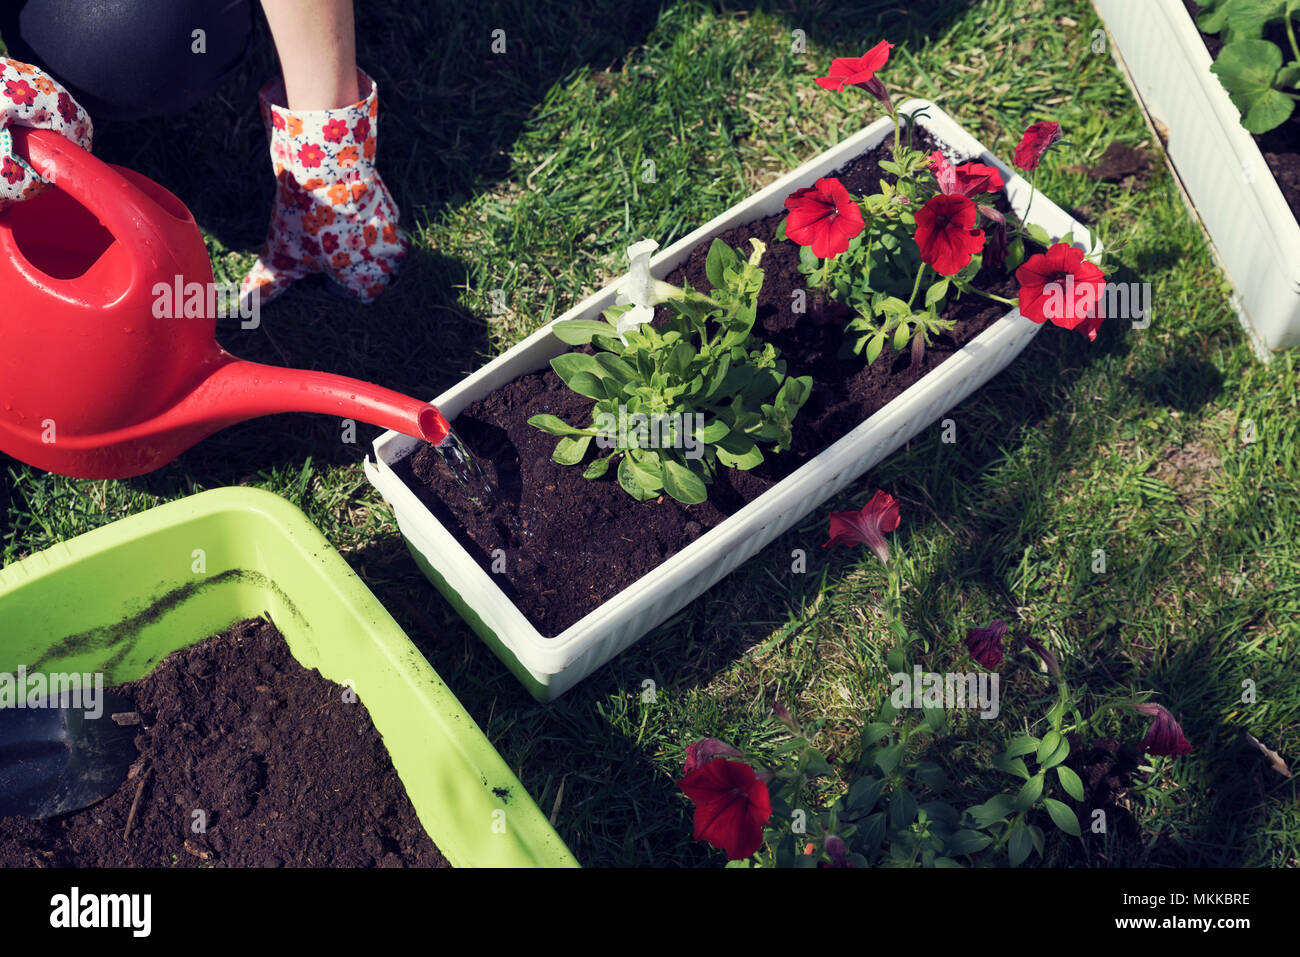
x=56, y=757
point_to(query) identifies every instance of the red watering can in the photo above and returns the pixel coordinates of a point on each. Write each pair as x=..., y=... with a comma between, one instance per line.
x=93, y=384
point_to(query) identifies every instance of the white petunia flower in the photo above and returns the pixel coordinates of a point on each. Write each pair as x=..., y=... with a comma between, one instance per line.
x=641, y=290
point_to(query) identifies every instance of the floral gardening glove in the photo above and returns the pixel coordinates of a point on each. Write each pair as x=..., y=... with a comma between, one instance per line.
x=29, y=97
x=332, y=213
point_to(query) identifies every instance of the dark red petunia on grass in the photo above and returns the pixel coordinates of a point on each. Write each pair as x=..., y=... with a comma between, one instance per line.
x=985, y=644
x=946, y=233
x=731, y=806
x=867, y=526
x=1063, y=286
x=856, y=71
x=968, y=179
x=824, y=217
x=1035, y=142
x=1165, y=736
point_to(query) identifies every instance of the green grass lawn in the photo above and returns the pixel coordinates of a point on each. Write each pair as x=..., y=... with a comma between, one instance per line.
x=522, y=172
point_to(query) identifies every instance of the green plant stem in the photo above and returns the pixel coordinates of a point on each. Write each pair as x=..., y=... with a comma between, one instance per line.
x=1290, y=35
x=1022, y=221
x=916, y=286
x=994, y=296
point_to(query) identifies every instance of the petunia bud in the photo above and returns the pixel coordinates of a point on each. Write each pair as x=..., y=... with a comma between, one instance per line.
x=1049, y=659
x=705, y=750
x=837, y=851
x=1165, y=737
x=783, y=715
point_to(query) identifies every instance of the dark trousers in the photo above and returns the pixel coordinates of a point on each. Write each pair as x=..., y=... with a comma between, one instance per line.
x=125, y=59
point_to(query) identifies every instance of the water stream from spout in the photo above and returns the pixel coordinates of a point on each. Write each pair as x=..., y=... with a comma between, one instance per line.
x=465, y=469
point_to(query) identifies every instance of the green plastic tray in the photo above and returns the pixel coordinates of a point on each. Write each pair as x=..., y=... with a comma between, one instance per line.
x=123, y=597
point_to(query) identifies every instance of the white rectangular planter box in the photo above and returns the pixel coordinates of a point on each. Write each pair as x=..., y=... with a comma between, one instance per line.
x=550, y=666
x=1224, y=176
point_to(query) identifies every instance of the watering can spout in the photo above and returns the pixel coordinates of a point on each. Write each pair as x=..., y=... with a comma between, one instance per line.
x=236, y=390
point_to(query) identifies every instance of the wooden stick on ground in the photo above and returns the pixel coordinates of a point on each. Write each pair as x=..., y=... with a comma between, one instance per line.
x=135, y=804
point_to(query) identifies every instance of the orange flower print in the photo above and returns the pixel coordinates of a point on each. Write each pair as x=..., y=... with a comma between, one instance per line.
x=295, y=126
x=310, y=155
x=338, y=194
x=44, y=84
x=369, y=148
x=317, y=218
x=371, y=234
x=359, y=191
x=314, y=183
x=340, y=260
x=348, y=157
x=390, y=234
x=16, y=66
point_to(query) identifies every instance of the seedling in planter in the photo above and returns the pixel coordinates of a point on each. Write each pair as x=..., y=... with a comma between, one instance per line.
x=1262, y=79
x=896, y=255
x=674, y=403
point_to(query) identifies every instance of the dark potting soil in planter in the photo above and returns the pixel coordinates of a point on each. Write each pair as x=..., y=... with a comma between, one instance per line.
x=569, y=543
x=287, y=772
x=1280, y=145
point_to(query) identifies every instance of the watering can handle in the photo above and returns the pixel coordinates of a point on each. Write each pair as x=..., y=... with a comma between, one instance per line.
x=125, y=210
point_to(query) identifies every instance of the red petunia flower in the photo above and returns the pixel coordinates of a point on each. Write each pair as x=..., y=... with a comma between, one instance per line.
x=334, y=131
x=731, y=806
x=968, y=179
x=946, y=233
x=985, y=644
x=824, y=217
x=855, y=70
x=21, y=92
x=867, y=526
x=1035, y=143
x=1165, y=736
x=705, y=750
x=309, y=154
x=1063, y=286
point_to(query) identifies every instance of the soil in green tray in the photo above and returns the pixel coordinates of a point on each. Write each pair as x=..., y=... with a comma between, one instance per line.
x=569, y=543
x=285, y=767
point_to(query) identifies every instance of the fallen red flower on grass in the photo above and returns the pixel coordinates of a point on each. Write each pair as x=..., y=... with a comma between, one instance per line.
x=824, y=217
x=867, y=525
x=1165, y=736
x=1063, y=286
x=1035, y=142
x=731, y=806
x=985, y=644
x=946, y=233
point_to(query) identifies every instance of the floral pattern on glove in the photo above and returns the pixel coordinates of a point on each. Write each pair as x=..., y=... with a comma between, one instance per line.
x=332, y=213
x=30, y=98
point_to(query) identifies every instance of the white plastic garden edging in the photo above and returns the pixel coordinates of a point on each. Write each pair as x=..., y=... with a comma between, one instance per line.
x=1224, y=176
x=550, y=666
